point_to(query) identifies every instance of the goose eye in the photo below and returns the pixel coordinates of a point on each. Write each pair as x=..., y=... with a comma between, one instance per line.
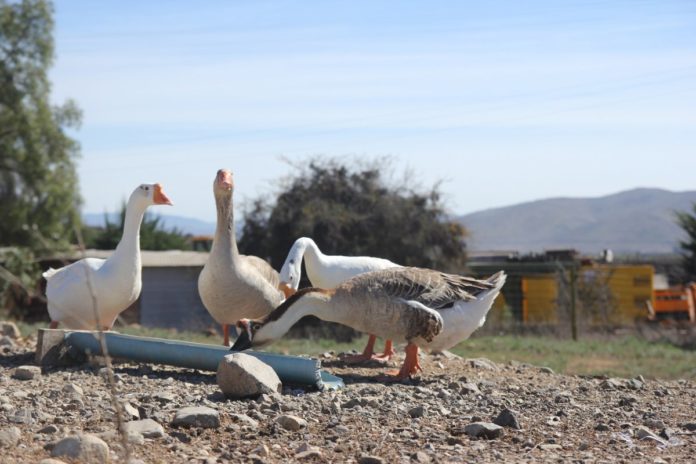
x=256, y=327
x=147, y=188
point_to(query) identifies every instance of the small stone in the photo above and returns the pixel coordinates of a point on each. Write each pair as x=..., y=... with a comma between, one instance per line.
x=483, y=430
x=690, y=426
x=482, y=363
x=262, y=451
x=197, y=416
x=634, y=384
x=643, y=433
x=292, y=423
x=51, y=461
x=9, y=437
x=10, y=330
x=611, y=384
x=7, y=341
x=368, y=459
x=26, y=372
x=240, y=375
x=306, y=451
x=507, y=418
x=550, y=447
x=418, y=411
x=667, y=433
x=602, y=427
x=148, y=428
x=49, y=429
x=546, y=370
x=243, y=419
x=470, y=388
x=654, y=423
x=72, y=389
x=132, y=413
x=82, y=448
x=421, y=456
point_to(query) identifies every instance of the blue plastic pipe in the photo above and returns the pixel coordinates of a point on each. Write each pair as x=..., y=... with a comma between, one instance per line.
x=292, y=370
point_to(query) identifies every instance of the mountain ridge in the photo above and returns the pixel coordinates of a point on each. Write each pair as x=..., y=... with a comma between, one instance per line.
x=639, y=220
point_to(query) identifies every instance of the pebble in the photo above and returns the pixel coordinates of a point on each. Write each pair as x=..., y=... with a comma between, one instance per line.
x=482, y=363
x=690, y=426
x=483, y=430
x=83, y=448
x=131, y=412
x=507, y=418
x=421, y=456
x=306, y=451
x=368, y=459
x=148, y=428
x=550, y=447
x=292, y=423
x=10, y=329
x=243, y=419
x=72, y=390
x=49, y=429
x=468, y=388
x=546, y=370
x=197, y=416
x=418, y=411
x=51, y=461
x=26, y=372
x=240, y=375
x=9, y=437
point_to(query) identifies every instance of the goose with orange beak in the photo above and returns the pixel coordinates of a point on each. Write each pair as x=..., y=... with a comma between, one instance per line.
x=330, y=271
x=231, y=285
x=421, y=307
x=115, y=282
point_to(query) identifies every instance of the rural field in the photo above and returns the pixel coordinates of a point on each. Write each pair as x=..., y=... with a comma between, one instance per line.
x=602, y=399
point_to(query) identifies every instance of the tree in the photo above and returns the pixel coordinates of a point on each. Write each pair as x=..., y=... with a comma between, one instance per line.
x=153, y=235
x=353, y=211
x=687, y=221
x=39, y=196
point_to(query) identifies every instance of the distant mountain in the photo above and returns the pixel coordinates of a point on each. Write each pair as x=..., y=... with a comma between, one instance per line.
x=639, y=220
x=185, y=224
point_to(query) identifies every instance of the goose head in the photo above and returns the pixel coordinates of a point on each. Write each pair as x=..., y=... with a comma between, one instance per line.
x=248, y=329
x=150, y=194
x=223, y=186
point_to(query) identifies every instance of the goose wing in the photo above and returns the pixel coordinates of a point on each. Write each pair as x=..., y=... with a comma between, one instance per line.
x=263, y=268
x=431, y=288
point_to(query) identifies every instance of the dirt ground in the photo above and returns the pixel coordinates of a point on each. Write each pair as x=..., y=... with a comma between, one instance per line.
x=427, y=419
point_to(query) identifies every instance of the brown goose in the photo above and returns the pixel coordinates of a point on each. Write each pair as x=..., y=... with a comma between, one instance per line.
x=424, y=308
x=234, y=286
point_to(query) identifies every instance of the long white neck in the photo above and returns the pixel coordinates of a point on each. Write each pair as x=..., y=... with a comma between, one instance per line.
x=314, y=259
x=310, y=304
x=129, y=246
x=225, y=242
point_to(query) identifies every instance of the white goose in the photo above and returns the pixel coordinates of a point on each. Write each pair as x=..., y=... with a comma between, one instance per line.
x=233, y=286
x=116, y=281
x=325, y=271
x=425, y=308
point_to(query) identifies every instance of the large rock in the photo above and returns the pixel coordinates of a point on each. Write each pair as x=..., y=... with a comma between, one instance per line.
x=507, y=418
x=197, y=416
x=82, y=448
x=148, y=428
x=9, y=437
x=240, y=375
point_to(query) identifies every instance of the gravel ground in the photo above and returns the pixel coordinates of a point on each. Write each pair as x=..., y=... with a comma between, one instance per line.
x=448, y=414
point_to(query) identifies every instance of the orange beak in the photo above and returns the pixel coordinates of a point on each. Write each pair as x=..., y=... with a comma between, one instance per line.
x=224, y=178
x=287, y=290
x=160, y=197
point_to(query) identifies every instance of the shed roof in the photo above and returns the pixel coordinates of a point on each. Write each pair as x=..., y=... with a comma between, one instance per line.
x=167, y=258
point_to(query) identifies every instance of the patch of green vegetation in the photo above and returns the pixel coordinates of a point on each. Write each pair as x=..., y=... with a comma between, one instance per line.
x=625, y=356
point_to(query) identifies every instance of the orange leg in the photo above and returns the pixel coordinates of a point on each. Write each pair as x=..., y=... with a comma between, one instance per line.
x=54, y=325
x=226, y=334
x=410, y=366
x=388, y=352
x=366, y=354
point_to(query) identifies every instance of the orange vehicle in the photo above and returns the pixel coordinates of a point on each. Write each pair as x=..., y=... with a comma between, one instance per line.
x=675, y=303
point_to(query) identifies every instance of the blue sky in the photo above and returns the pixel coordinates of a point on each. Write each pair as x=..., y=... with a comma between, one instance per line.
x=503, y=101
